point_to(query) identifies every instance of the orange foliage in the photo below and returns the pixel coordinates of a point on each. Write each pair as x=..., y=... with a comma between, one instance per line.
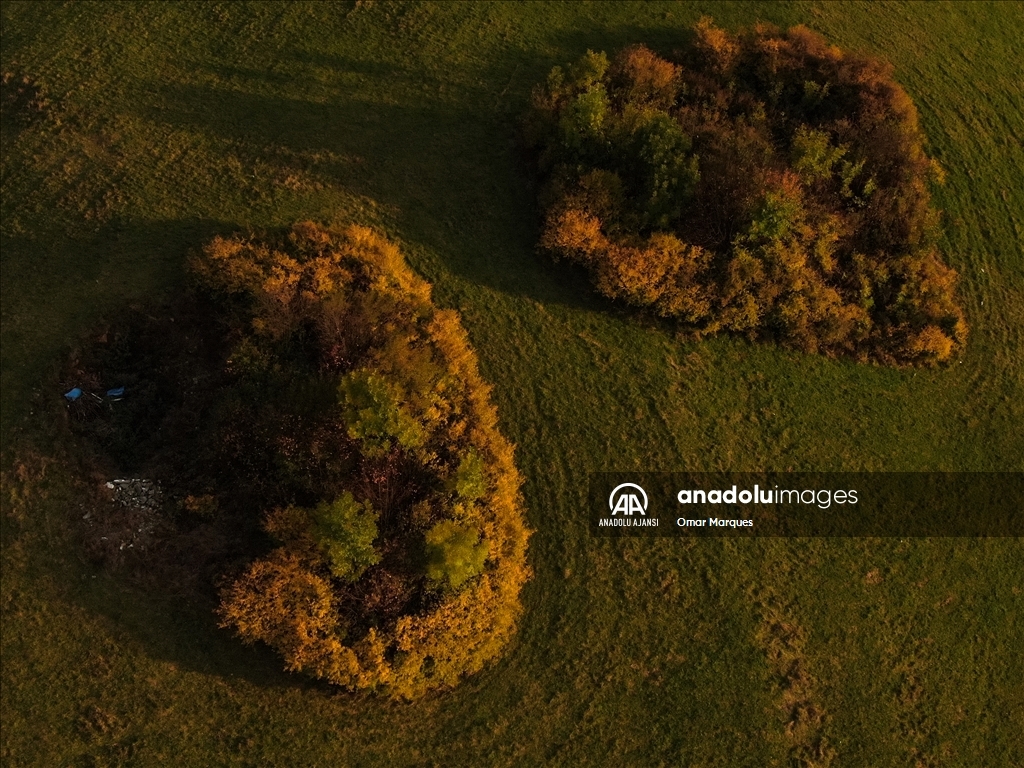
x=930, y=344
x=277, y=600
x=715, y=44
x=644, y=77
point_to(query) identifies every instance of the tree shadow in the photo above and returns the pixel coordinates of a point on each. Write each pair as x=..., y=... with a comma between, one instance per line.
x=453, y=175
x=440, y=152
x=59, y=284
x=61, y=293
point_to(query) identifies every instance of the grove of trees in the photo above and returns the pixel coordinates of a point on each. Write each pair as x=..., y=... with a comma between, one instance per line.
x=763, y=182
x=399, y=535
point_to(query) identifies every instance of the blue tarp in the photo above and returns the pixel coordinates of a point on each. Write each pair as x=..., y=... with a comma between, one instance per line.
x=114, y=394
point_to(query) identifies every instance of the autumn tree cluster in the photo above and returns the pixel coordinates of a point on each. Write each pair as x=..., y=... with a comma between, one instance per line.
x=765, y=183
x=399, y=535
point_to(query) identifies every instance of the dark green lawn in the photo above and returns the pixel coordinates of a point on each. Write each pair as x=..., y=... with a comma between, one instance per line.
x=172, y=122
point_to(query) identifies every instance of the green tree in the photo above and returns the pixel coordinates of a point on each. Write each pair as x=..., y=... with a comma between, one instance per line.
x=373, y=412
x=669, y=168
x=582, y=122
x=588, y=70
x=345, y=529
x=455, y=553
x=470, y=480
x=813, y=155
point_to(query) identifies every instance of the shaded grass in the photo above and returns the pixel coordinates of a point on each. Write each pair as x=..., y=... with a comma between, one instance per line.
x=172, y=122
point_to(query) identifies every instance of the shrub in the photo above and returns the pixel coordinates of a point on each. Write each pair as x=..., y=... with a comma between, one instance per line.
x=764, y=182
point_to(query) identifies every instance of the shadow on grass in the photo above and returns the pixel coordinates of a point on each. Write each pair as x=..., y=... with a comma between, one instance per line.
x=80, y=279
x=82, y=283
x=437, y=146
x=454, y=176
x=184, y=632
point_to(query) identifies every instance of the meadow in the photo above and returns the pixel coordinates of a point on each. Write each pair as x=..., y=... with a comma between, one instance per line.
x=171, y=122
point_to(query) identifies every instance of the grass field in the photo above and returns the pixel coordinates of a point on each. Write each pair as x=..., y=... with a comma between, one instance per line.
x=171, y=122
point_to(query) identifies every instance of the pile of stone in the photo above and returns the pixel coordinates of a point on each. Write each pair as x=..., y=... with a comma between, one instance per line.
x=131, y=521
x=137, y=494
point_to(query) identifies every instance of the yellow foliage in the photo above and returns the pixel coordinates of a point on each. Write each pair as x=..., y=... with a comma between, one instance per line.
x=931, y=344
x=277, y=600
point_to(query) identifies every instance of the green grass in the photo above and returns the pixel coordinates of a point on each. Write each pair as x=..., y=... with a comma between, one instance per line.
x=173, y=122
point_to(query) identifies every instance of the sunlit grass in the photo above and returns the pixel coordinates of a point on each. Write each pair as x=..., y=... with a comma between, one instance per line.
x=174, y=122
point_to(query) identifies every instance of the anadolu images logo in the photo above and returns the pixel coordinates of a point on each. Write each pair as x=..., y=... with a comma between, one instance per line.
x=629, y=499
x=622, y=501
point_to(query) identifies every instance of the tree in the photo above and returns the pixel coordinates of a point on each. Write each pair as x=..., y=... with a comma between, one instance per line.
x=813, y=155
x=470, y=481
x=373, y=410
x=345, y=529
x=455, y=553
